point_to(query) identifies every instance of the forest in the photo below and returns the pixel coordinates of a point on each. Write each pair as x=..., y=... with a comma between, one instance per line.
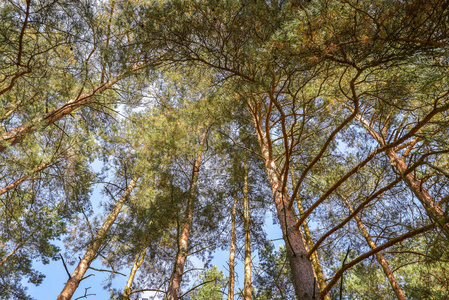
x=204, y=124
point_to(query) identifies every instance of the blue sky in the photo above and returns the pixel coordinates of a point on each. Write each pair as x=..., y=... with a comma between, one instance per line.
x=56, y=275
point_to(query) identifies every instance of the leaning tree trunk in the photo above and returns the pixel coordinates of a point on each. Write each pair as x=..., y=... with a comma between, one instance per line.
x=432, y=207
x=24, y=177
x=137, y=263
x=91, y=252
x=180, y=260
x=380, y=257
x=247, y=286
x=304, y=279
x=232, y=251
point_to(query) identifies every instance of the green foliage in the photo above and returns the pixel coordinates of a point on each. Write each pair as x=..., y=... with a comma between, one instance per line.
x=273, y=279
x=317, y=85
x=367, y=281
x=213, y=283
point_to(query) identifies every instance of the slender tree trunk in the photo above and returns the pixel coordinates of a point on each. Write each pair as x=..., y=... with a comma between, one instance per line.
x=248, y=284
x=137, y=263
x=20, y=245
x=380, y=258
x=304, y=279
x=39, y=168
x=316, y=262
x=432, y=207
x=91, y=252
x=23, y=178
x=180, y=260
x=232, y=251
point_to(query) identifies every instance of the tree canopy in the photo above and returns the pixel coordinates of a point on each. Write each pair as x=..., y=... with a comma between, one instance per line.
x=201, y=120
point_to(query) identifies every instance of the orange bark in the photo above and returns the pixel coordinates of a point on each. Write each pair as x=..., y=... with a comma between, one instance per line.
x=91, y=252
x=380, y=258
x=232, y=251
x=304, y=279
x=178, y=269
x=248, y=285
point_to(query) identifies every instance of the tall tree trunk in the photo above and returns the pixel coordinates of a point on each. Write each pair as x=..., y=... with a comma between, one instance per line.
x=232, y=250
x=380, y=258
x=304, y=279
x=316, y=262
x=432, y=207
x=248, y=284
x=180, y=260
x=91, y=252
x=137, y=263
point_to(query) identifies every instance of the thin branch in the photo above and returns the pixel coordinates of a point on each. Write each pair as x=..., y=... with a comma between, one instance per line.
x=201, y=249
x=197, y=286
x=103, y=270
x=65, y=266
x=85, y=294
x=148, y=290
x=374, y=251
x=356, y=211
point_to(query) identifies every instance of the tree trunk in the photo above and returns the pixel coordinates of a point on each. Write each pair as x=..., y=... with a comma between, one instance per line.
x=91, y=252
x=247, y=285
x=180, y=260
x=232, y=251
x=137, y=263
x=380, y=258
x=432, y=207
x=316, y=262
x=304, y=279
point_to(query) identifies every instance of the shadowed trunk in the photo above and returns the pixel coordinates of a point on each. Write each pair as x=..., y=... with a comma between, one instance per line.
x=316, y=262
x=232, y=251
x=248, y=285
x=91, y=252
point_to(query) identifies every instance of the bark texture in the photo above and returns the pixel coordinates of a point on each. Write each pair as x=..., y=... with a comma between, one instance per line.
x=316, y=262
x=248, y=285
x=304, y=279
x=180, y=260
x=232, y=251
x=91, y=252
x=137, y=263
